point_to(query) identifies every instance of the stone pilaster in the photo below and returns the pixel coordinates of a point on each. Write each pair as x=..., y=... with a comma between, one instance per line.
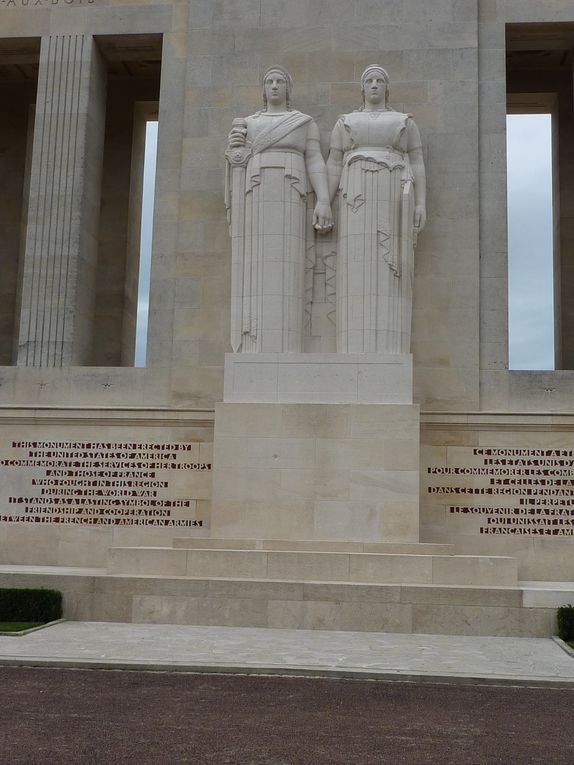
x=58, y=283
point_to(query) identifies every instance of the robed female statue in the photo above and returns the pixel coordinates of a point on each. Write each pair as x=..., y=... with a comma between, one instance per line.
x=273, y=162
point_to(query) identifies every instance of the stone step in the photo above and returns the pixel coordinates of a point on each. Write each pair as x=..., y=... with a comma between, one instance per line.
x=302, y=566
x=416, y=548
x=547, y=594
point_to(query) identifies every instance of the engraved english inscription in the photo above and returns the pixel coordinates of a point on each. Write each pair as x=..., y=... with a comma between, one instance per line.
x=42, y=3
x=105, y=483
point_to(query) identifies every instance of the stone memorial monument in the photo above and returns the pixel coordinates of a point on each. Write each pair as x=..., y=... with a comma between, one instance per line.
x=376, y=168
x=356, y=454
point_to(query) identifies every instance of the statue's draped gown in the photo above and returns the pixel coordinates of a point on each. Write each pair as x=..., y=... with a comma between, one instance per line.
x=274, y=209
x=375, y=237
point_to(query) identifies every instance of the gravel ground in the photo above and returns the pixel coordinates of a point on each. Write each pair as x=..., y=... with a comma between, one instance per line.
x=52, y=716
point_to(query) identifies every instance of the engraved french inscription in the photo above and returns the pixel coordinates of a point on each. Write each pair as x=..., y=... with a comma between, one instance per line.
x=525, y=492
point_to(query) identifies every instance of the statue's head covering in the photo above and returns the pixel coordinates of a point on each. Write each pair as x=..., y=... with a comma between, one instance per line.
x=288, y=80
x=375, y=69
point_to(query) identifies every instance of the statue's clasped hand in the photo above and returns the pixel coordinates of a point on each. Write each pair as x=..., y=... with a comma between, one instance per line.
x=322, y=218
x=420, y=218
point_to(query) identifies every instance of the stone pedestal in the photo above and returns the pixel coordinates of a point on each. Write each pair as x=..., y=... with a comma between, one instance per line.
x=316, y=472
x=321, y=378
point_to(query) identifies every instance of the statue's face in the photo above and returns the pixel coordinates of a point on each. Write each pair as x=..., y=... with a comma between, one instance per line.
x=374, y=88
x=275, y=86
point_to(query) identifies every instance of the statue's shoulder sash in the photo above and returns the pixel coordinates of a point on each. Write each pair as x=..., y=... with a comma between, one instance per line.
x=278, y=129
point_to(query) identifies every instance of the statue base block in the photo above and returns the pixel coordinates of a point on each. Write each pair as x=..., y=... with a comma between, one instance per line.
x=316, y=472
x=320, y=378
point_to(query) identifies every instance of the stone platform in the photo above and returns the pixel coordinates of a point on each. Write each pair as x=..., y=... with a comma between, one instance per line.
x=286, y=584
x=283, y=561
x=334, y=585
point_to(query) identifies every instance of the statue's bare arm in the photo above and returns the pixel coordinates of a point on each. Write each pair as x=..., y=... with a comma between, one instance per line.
x=419, y=175
x=334, y=170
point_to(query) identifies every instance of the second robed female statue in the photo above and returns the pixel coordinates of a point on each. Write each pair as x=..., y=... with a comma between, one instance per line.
x=376, y=164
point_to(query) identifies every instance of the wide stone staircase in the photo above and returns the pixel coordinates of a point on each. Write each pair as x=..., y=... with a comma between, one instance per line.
x=364, y=587
x=410, y=587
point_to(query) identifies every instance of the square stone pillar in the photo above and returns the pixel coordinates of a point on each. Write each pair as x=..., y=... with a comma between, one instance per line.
x=58, y=275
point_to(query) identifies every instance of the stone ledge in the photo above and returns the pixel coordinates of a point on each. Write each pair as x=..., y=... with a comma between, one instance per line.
x=284, y=565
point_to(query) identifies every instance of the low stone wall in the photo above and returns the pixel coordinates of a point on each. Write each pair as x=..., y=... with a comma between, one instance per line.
x=498, y=611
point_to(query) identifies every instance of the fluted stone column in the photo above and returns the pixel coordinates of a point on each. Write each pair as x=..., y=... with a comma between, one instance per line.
x=58, y=283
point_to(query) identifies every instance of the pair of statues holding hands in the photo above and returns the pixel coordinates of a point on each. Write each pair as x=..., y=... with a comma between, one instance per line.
x=376, y=168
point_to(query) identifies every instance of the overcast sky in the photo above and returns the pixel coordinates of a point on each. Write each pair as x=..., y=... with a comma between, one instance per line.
x=531, y=331
x=145, y=246
x=530, y=300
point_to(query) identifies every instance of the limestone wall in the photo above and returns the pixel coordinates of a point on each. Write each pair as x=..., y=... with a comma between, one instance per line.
x=213, y=56
x=445, y=59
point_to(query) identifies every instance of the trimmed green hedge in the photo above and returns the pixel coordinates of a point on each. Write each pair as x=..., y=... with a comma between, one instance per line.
x=566, y=622
x=26, y=605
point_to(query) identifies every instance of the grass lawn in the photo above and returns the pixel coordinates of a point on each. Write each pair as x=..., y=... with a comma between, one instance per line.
x=18, y=626
x=570, y=643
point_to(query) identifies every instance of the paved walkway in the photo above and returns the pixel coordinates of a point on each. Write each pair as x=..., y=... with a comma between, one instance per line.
x=522, y=661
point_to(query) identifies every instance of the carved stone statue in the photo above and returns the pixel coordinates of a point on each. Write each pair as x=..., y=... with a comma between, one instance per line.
x=376, y=164
x=271, y=158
